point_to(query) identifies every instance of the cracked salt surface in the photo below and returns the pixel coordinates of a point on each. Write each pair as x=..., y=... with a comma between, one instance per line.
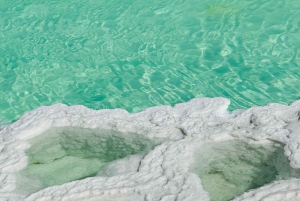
x=165, y=173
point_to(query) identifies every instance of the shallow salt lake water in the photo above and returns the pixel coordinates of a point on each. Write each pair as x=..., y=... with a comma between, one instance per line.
x=137, y=54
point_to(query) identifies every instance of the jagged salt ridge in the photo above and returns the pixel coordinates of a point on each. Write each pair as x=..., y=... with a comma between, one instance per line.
x=163, y=174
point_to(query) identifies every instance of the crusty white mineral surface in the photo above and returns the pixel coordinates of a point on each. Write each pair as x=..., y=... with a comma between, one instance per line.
x=164, y=173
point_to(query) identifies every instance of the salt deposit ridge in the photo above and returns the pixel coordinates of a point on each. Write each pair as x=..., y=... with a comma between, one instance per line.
x=165, y=172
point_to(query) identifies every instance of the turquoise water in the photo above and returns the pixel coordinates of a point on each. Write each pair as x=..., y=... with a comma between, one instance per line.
x=137, y=54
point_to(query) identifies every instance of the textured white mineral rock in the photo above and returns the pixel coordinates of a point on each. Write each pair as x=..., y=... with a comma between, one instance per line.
x=164, y=173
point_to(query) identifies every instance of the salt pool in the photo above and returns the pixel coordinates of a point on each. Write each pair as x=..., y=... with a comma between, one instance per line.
x=67, y=154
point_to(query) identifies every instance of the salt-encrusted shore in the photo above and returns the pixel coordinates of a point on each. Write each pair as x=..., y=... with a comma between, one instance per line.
x=163, y=174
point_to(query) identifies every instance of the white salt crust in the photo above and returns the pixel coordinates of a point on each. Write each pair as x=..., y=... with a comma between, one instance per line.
x=163, y=174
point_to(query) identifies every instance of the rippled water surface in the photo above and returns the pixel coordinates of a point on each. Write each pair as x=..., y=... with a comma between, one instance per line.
x=133, y=54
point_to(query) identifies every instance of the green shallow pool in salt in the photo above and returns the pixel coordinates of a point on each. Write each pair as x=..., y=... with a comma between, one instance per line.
x=61, y=155
x=136, y=54
x=228, y=169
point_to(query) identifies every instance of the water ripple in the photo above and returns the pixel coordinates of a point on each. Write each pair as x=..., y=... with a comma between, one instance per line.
x=107, y=54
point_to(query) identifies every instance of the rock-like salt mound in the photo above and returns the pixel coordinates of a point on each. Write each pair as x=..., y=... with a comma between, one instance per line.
x=164, y=173
x=66, y=154
x=230, y=168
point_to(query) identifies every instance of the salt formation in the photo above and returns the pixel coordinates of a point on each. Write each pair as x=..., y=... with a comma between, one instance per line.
x=168, y=171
